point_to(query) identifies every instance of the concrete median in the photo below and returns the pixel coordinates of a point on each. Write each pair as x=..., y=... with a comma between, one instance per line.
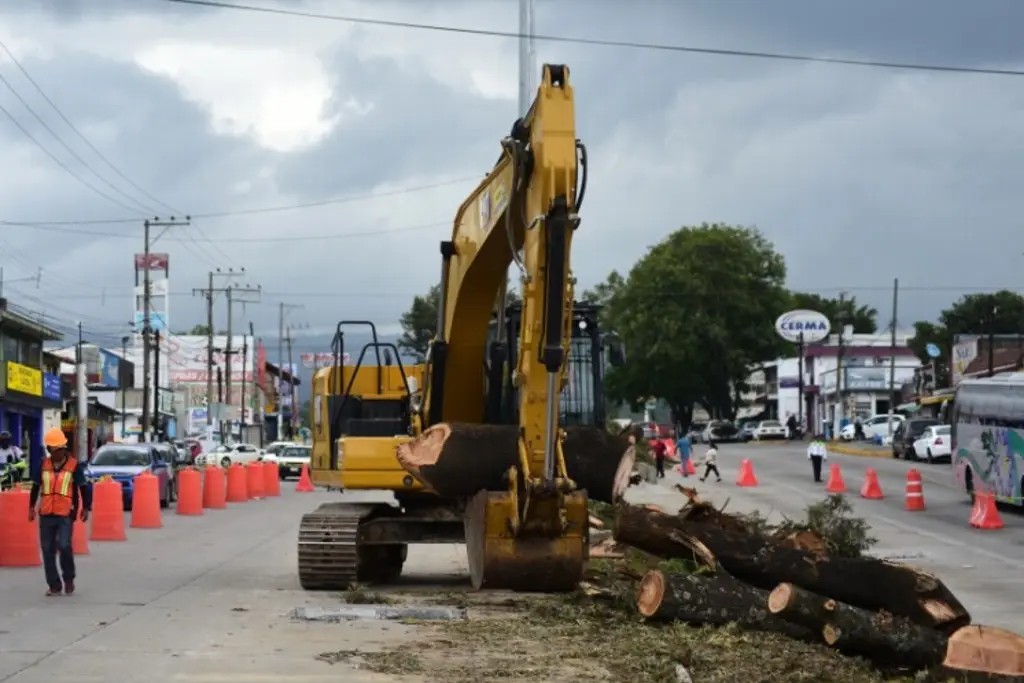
x=860, y=451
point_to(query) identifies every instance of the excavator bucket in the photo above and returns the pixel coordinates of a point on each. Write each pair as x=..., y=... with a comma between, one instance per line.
x=543, y=559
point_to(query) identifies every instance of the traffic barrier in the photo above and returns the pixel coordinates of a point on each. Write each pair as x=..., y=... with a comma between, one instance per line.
x=254, y=480
x=237, y=489
x=146, y=502
x=107, y=511
x=271, y=479
x=80, y=536
x=871, y=489
x=915, y=491
x=21, y=537
x=305, y=484
x=985, y=514
x=214, y=491
x=690, y=469
x=746, y=476
x=190, y=492
x=835, y=482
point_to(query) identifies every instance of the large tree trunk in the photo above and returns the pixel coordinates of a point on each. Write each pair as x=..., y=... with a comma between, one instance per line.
x=715, y=599
x=458, y=460
x=868, y=583
x=986, y=649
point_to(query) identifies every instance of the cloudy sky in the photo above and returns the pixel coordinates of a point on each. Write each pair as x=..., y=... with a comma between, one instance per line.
x=857, y=175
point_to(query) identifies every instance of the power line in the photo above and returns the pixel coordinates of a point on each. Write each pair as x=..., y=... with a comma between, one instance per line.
x=659, y=47
x=267, y=209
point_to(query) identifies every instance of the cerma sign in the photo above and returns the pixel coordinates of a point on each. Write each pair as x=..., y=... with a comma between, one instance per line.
x=813, y=325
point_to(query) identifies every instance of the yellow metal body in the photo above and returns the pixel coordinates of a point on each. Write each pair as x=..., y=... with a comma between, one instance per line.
x=540, y=523
x=363, y=462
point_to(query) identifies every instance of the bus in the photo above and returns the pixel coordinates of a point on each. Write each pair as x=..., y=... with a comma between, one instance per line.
x=988, y=436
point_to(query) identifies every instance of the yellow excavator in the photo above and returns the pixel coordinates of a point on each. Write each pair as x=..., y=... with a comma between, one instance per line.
x=536, y=364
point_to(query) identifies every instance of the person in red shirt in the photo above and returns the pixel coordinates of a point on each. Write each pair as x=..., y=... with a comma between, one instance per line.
x=660, y=453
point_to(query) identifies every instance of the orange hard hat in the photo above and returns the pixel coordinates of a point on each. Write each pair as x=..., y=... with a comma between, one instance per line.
x=55, y=438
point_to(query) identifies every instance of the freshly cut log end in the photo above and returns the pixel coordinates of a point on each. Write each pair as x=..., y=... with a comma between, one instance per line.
x=622, y=474
x=986, y=649
x=801, y=607
x=650, y=593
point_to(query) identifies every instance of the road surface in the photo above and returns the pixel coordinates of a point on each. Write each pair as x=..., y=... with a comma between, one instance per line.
x=203, y=600
x=981, y=567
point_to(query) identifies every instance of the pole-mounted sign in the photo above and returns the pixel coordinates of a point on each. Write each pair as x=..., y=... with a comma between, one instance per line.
x=800, y=327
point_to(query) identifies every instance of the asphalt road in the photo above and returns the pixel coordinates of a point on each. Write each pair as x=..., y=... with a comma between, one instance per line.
x=981, y=567
x=203, y=600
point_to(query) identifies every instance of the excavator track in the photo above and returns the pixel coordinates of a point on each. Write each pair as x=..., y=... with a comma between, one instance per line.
x=328, y=547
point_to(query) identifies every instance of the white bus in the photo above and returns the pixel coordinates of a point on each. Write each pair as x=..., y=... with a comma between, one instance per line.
x=988, y=436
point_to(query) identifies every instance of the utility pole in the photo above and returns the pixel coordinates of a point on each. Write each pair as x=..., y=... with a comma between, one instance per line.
x=147, y=327
x=124, y=393
x=892, y=354
x=291, y=384
x=257, y=398
x=233, y=293
x=209, y=293
x=840, y=375
x=81, y=403
x=245, y=361
x=156, y=386
x=282, y=311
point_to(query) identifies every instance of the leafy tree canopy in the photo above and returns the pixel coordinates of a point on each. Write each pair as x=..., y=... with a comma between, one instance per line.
x=848, y=312
x=694, y=313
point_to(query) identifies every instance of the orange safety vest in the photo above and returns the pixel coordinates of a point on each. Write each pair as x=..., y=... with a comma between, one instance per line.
x=58, y=489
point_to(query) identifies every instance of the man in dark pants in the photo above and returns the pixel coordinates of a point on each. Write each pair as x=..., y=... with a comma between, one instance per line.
x=60, y=491
x=660, y=453
x=817, y=453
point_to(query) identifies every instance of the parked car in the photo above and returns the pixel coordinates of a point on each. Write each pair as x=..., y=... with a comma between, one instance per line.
x=876, y=425
x=226, y=455
x=276, y=447
x=747, y=431
x=290, y=459
x=123, y=462
x=720, y=431
x=768, y=430
x=907, y=433
x=935, y=442
x=696, y=433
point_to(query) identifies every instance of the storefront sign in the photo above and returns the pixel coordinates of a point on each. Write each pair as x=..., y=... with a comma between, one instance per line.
x=110, y=368
x=24, y=379
x=51, y=387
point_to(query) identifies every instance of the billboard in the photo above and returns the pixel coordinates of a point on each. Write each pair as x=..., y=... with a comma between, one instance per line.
x=322, y=359
x=156, y=262
x=187, y=367
x=964, y=351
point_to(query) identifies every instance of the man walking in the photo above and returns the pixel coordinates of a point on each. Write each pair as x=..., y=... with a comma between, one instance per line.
x=817, y=453
x=61, y=494
x=683, y=447
x=660, y=453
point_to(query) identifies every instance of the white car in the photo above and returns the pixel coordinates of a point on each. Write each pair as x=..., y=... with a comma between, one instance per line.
x=768, y=429
x=935, y=444
x=877, y=425
x=290, y=459
x=226, y=455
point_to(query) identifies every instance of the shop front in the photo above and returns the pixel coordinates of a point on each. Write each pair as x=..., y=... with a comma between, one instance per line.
x=27, y=393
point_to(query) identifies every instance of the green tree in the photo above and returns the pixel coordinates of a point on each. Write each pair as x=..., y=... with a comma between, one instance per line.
x=419, y=323
x=602, y=294
x=695, y=313
x=864, y=318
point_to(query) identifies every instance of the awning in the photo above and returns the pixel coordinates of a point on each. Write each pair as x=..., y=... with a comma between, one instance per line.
x=908, y=408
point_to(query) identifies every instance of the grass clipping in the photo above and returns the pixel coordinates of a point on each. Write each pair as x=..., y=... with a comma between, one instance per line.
x=596, y=635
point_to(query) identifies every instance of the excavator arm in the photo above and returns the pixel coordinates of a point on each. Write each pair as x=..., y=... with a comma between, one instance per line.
x=523, y=213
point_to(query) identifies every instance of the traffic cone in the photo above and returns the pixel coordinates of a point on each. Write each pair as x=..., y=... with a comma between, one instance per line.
x=80, y=536
x=146, y=502
x=190, y=492
x=915, y=491
x=985, y=514
x=871, y=489
x=835, y=480
x=746, y=475
x=305, y=484
x=213, y=488
x=21, y=537
x=254, y=480
x=237, y=489
x=690, y=469
x=271, y=479
x=107, y=511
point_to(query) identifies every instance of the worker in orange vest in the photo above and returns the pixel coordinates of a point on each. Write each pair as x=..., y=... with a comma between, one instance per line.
x=60, y=491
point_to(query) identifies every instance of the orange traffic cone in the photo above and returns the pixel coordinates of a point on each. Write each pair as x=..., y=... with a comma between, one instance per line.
x=985, y=514
x=213, y=488
x=80, y=537
x=835, y=480
x=871, y=488
x=746, y=475
x=146, y=502
x=305, y=484
x=690, y=469
x=915, y=491
x=21, y=537
x=190, y=492
x=238, y=491
x=271, y=479
x=107, y=511
x=254, y=480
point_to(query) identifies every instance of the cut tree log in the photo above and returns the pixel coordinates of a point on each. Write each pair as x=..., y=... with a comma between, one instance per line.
x=798, y=606
x=868, y=583
x=714, y=599
x=459, y=460
x=986, y=649
x=883, y=639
